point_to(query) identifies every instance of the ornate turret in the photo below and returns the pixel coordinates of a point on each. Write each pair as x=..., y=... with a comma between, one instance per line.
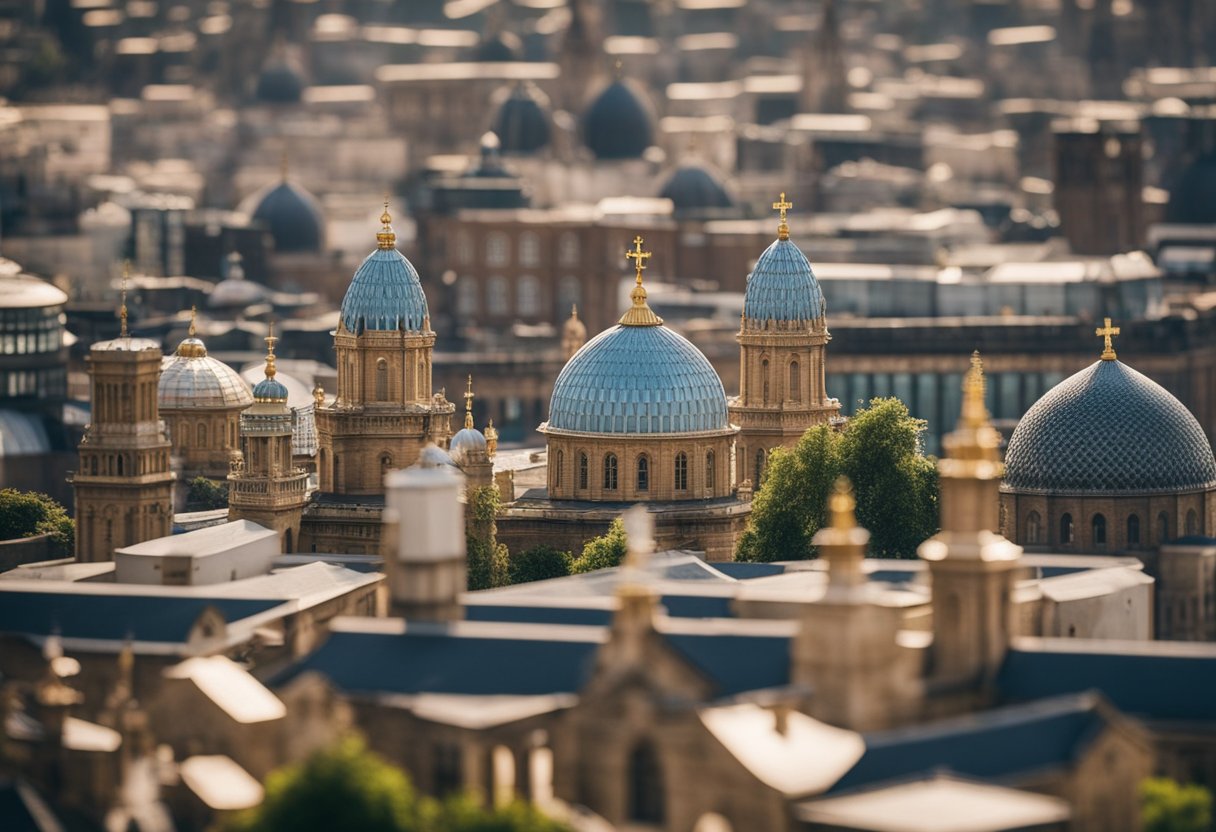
x=470, y=449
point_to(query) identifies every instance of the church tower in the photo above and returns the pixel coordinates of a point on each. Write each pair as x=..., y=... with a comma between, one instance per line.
x=124, y=487
x=384, y=411
x=264, y=486
x=782, y=342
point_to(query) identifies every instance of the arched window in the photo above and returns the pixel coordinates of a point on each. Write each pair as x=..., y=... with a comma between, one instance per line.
x=795, y=382
x=646, y=803
x=709, y=470
x=681, y=471
x=1099, y=530
x=498, y=300
x=610, y=472
x=1163, y=527
x=528, y=295
x=529, y=249
x=567, y=249
x=1192, y=522
x=381, y=380
x=1133, y=530
x=386, y=464
x=582, y=471
x=643, y=473
x=1066, y=529
x=764, y=379
x=759, y=466
x=557, y=473
x=1033, y=527
x=498, y=249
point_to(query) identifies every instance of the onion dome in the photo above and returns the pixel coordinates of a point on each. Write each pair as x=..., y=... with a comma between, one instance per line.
x=291, y=214
x=234, y=291
x=1109, y=429
x=270, y=389
x=281, y=80
x=385, y=293
x=638, y=377
x=618, y=124
x=469, y=443
x=693, y=187
x=782, y=287
x=192, y=379
x=522, y=122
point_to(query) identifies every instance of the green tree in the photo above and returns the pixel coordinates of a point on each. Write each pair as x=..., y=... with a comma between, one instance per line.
x=601, y=552
x=894, y=482
x=205, y=495
x=463, y=814
x=1168, y=806
x=29, y=513
x=488, y=559
x=538, y=564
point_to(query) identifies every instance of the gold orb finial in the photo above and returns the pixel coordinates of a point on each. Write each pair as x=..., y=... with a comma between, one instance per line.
x=842, y=505
x=640, y=314
x=122, y=310
x=386, y=238
x=271, y=340
x=781, y=206
x=1107, y=332
x=468, y=403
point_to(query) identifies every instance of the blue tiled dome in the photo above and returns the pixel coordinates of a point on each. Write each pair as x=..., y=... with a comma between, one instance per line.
x=1108, y=428
x=385, y=295
x=638, y=379
x=270, y=389
x=782, y=287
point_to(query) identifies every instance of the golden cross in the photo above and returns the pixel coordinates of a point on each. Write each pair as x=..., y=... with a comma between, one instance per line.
x=638, y=257
x=1106, y=331
x=783, y=230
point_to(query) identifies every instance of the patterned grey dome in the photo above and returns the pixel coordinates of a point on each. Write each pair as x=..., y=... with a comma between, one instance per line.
x=192, y=379
x=1109, y=429
x=467, y=442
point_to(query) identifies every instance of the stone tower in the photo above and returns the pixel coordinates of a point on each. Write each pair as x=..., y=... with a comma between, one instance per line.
x=384, y=411
x=264, y=486
x=824, y=85
x=971, y=564
x=424, y=543
x=124, y=487
x=574, y=334
x=782, y=343
x=1099, y=180
x=580, y=55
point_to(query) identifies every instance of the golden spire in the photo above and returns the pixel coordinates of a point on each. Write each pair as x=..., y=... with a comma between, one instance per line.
x=468, y=404
x=271, y=340
x=386, y=238
x=973, y=447
x=193, y=320
x=491, y=439
x=842, y=505
x=781, y=206
x=574, y=311
x=1107, y=331
x=640, y=313
x=975, y=412
x=192, y=347
x=841, y=542
x=122, y=311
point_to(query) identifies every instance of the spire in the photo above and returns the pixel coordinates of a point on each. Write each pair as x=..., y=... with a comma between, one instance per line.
x=468, y=404
x=193, y=320
x=386, y=238
x=271, y=340
x=122, y=311
x=974, y=441
x=842, y=543
x=1107, y=331
x=640, y=313
x=781, y=206
x=975, y=412
x=192, y=347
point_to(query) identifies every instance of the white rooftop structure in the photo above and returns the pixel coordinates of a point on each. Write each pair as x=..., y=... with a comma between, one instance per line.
x=229, y=552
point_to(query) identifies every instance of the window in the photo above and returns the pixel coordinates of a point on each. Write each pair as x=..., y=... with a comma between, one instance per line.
x=201, y=434
x=567, y=249
x=1192, y=522
x=569, y=294
x=1163, y=527
x=1098, y=525
x=764, y=378
x=643, y=473
x=1033, y=528
x=498, y=249
x=645, y=785
x=1066, y=529
x=610, y=472
x=466, y=295
x=582, y=471
x=528, y=290
x=529, y=249
x=464, y=248
x=759, y=466
x=498, y=301
x=381, y=380
x=796, y=382
x=681, y=471
x=1133, y=530
x=560, y=462
x=709, y=470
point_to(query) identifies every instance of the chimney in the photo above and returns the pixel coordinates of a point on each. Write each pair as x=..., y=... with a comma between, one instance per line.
x=425, y=566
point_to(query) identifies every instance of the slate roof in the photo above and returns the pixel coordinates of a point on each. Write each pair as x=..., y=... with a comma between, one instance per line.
x=1030, y=738
x=385, y=295
x=782, y=287
x=1108, y=429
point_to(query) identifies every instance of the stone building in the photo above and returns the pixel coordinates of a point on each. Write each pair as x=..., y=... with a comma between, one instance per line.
x=1099, y=176
x=124, y=485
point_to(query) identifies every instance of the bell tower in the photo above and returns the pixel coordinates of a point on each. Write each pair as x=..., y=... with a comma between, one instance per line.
x=783, y=339
x=123, y=487
x=264, y=486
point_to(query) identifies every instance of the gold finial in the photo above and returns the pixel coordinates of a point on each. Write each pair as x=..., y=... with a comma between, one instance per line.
x=386, y=238
x=1107, y=331
x=975, y=412
x=574, y=311
x=271, y=340
x=842, y=505
x=783, y=229
x=318, y=395
x=491, y=439
x=122, y=311
x=468, y=404
x=193, y=320
x=283, y=164
x=618, y=70
x=640, y=313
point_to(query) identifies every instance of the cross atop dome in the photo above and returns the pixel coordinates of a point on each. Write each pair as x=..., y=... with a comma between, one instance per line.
x=781, y=206
x=640, y=314
x=1107, y=331
x=639, y=257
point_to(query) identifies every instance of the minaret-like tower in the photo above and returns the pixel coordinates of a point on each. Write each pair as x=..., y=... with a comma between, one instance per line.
x=124, y=487
x=782, y=343
x=264, y=486
x=971, y=564
x=574, y=334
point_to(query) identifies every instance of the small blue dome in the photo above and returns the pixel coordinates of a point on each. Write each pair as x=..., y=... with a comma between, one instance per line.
x=782, y=287
x=618, y=125
x=385, y=295
x=1108, y=429
x=292, y=215
x=693, y=187
x=269, y=389
x=638, y=379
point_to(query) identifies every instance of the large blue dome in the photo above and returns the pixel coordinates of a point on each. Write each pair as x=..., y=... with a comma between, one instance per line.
x=385, y=295
x=638, y=379
x=1108, y=429
x=782, y=287
x=618, y=124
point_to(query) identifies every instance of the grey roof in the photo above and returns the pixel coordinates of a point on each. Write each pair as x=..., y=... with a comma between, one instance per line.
x=1108, y=429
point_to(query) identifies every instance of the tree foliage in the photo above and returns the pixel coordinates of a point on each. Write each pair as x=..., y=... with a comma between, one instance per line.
x=487, y=558
x=538, y=564
x=29, y=513
x=894, y=482
x=205, y=495
x=1168, y=806
x=604, y=551
x=349, y=787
